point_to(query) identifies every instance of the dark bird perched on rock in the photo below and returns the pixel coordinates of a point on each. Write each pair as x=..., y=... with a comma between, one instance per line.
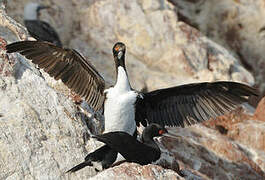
x=124, y=107
x=132, y=150
x=144, y=152
x=38, y=29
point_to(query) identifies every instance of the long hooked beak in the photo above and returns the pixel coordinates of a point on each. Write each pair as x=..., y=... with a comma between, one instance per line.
x=120, y=54
x=169, y=134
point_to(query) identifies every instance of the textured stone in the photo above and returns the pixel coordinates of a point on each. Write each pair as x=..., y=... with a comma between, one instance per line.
x=212, y=154
x=226, y=122
x=163, y=51
x=237, y=25
x=260, y=111
x=132, y=171
x=40, y=129
x=249, y=133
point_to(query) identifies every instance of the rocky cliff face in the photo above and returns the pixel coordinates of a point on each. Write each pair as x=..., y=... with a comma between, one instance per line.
x=237, y=25
x=41, y=129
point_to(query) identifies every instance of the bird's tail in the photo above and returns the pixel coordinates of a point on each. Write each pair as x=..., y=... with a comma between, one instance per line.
x=79, y=166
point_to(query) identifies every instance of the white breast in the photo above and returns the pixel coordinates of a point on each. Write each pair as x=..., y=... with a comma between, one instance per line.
x=30, y=11
x=119, y=110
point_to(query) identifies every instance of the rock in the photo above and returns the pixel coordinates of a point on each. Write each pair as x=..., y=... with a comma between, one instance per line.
x=260, y=113
x=236, y=25
x=40, y=128
x=247, y=131
x=169, y=52
x=132, y=171
x=251, y=134
x=213, y=155
x=226, y=122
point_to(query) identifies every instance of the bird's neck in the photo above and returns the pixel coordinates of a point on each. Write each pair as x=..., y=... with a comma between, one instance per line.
x=149, y=140
x=30, y=14
x=122, y=81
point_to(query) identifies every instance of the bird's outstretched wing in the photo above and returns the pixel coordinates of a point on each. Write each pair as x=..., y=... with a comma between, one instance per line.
x=131, y=149
x=66, y=64
x=191, y=103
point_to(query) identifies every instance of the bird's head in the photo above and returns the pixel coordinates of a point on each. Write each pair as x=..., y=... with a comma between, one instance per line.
x=32, y=10
x=119, y=53
x=156, y=130
x=153, y=130
x=41, y=7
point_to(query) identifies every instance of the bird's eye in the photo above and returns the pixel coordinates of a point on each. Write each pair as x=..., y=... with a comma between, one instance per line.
x=117, y=48
x=161, y=131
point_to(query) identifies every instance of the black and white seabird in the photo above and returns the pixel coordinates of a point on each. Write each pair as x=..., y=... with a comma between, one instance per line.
x=38, y=29
x=124, y=107
x=144, y=152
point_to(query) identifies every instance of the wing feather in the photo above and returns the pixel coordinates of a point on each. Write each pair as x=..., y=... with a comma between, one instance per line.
x=42, y=31
x=66, y=64
x=192, y=103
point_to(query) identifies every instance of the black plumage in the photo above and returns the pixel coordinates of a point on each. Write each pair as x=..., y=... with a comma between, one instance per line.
x=104, y=155
x=192, y=103
x=42, y=31
x=132, y=150
x=37, y=28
